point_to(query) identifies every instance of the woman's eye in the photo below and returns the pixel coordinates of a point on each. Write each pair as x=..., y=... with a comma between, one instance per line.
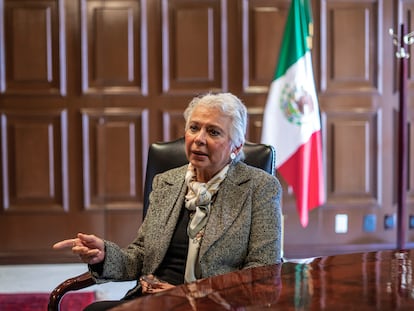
x=214, y=132
x=193, y=128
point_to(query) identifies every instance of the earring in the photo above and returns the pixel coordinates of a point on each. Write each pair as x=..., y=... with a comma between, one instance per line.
x=232, y=155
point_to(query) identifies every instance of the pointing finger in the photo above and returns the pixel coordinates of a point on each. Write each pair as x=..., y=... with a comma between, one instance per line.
x=64, y=243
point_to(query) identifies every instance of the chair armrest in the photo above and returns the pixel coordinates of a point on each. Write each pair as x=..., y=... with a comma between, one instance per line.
x=75, y=283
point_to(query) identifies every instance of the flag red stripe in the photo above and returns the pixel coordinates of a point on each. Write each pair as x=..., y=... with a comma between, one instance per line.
x=303, y=171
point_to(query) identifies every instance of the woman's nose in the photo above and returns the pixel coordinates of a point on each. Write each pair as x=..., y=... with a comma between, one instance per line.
x=200, y=138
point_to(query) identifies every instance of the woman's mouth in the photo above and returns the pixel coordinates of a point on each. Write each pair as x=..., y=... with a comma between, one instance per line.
x=199, y=153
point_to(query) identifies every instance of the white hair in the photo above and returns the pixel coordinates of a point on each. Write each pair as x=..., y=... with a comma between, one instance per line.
x=232, y=107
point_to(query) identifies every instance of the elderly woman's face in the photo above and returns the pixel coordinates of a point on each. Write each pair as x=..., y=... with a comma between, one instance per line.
x=207, y=141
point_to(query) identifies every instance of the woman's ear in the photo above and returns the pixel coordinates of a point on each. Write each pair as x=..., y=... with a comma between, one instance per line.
x=236, y=150
x=239, y=148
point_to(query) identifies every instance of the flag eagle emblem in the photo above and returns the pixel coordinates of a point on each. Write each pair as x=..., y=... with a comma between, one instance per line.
x=296, y=104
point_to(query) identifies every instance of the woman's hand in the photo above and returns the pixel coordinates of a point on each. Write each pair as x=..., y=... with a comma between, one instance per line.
x=90, y=248
x=151, y=285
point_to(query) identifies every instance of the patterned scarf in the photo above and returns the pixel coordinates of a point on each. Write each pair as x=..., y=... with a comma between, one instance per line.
x=198, y=201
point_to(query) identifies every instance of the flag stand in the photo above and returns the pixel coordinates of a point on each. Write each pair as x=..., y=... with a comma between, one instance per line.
x=401, y=42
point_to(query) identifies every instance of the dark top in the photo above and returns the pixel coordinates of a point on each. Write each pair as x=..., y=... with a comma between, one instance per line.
x=172, y=268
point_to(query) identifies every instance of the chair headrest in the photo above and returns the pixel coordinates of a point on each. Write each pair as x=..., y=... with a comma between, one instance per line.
x=163, y=156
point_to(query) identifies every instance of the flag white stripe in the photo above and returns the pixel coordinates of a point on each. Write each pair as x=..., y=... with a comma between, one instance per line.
x=277, y=130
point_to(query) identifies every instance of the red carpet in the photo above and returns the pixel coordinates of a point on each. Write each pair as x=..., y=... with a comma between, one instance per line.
x=74, y=301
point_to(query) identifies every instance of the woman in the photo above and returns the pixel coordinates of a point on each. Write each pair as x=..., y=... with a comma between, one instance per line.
x=212, y=216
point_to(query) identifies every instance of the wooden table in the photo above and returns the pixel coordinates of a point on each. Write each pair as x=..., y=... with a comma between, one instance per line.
x=380, y=280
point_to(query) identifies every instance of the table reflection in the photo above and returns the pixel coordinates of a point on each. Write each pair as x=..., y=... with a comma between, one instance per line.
x=241, y=290
x=380, y=280
x=400, y=284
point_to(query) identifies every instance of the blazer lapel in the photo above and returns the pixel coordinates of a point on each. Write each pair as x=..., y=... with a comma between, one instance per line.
x=227, y=206
x=170, y=199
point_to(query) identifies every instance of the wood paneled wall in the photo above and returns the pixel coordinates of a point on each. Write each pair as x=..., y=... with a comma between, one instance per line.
x=87, y=85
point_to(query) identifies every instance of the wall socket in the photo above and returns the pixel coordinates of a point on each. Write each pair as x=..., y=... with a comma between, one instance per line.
x=341, y=223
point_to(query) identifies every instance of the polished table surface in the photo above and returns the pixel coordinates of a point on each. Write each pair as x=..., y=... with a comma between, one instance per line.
x=380, y=280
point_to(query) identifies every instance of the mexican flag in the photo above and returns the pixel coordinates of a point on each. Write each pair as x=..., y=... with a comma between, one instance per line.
x=291, y=121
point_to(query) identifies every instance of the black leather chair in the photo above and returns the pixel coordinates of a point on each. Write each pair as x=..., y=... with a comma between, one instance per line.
x=163, y=156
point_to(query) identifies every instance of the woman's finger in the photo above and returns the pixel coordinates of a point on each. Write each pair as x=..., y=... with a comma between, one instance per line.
x=151, y=284
x=91, y=240
x=64, y=244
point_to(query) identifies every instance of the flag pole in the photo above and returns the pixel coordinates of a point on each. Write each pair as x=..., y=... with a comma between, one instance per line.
x=402, y=145
x=403, y=56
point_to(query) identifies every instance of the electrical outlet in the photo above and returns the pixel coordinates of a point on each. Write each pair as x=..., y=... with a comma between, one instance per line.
x=341, y=223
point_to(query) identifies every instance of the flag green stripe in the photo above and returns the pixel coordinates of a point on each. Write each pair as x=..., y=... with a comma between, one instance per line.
x=294, y=44
x=308, y=11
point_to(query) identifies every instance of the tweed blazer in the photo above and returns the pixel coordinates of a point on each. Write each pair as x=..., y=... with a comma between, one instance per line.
x=243, y=229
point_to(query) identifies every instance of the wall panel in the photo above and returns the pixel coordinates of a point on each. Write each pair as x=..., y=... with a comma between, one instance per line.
x=352, y=147
x=33, y=28
x=263, y=23
x=114, y=157
x=194, y=46
x=350, y=50
x=114, y=43
x=34, y=161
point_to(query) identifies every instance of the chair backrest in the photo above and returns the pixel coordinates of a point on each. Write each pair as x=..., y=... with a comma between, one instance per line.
x=163, y=156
